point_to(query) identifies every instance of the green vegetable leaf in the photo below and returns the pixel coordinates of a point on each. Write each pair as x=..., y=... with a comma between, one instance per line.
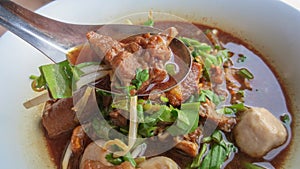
x=128, y=157
x=238, y=107
x=140, y=113
x=119, y=160
x=150, y=21
x=204, y=51
x=155, y=116
x=218, y=156
x=58, y=78
x=285, y=119
x=38, y=82
x=120, y=103
x=217, y=136
x=199, y=158
x=207, y=54
x=164, y=99
x=248, y=165
x=168, y=115
x=220, y=150
x=222, y=56
x=196, y=45
x=241, y=58
x=233, y=109
x=140, y=77
x=115, y=161
x=171, y=69
x=147, y=129
x=245, y=73
x=211, y=96
x=187, y=119
x=165, y=114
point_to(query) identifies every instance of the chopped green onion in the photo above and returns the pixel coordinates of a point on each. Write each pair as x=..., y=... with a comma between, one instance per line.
x=238, y=107
x=233, y=109
x=140, y=113
x=285, y=119
x=140, y=77
x=211, y=96
x=130, y=159
x=171, y=69
x=119, y=160
x=246, y=73
x=187, y=119
x=214, y=157
x=198, y=159
x=241, y=58
x=168, y=116
x=115, y=161
x=149, y=22
x=164, y=99
x=241, y=92
x=147, y=129
x=120, y=103
x=147, y=106
x=217, y=136
x=248, y=165
x=218, y=47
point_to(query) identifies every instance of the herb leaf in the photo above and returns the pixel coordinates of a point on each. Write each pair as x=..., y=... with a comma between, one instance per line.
x=285, y=119
x=246, y=73
x=211, y=96
x=187, y=119
x=140, y=77
x=199, y=158
x=248, y=165
x=115, y=161
x=147, y=129
x=58, y=79
x=233, y=109
x=118, y=160
x=220, y=150
x=241, y=58
x=150, y=21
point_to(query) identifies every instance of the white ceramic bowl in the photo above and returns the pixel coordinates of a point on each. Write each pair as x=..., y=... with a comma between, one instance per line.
x=271, y=26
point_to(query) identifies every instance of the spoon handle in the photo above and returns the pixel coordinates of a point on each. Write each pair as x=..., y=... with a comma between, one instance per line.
x=52, y=38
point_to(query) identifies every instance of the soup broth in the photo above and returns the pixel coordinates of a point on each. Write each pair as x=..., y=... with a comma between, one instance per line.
x=266, y=91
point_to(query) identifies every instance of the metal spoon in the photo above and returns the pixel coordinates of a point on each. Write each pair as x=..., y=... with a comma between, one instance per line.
x=54, y=38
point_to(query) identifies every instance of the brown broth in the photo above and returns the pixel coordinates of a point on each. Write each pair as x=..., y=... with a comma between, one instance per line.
x=267, y=92
x=57, y=146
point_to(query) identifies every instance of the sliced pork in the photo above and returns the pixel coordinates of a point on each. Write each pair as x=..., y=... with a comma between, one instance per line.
x=185, y=89
x=58, y=117
x=141, y=51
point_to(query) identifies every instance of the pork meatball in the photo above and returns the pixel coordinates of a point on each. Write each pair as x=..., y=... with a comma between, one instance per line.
x=258, y=132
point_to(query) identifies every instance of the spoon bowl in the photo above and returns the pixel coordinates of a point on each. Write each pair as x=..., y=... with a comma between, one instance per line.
x=54, y=38
x=57, y=39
